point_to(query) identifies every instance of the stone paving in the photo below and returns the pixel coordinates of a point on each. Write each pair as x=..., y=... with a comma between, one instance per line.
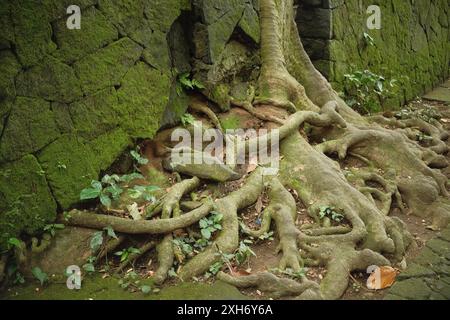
x=441, y=93
x=427, y=277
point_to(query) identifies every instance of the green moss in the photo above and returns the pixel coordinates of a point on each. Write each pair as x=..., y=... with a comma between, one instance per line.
x=250, y=23
x=57, y=8
x=220, y=94
x=157, y=178
x=26, y=203
x=32, y=31
x=96, y=31
x=157, y=52
x=231, y=122
x=222, y=17
x=6, y=26
x=162, y=13
x=126, y=15
x=412, y=43
x=62, y=117
x=94, y=287
x=31, y=126
x=50, y=80
x=108, y=147
x=106, y=67
x=143, y=97
x=9, y=68
x=69, y=166
x=95, y=114
x=5, y=108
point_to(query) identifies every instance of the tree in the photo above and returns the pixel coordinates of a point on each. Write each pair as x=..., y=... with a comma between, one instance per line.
x=405, y=171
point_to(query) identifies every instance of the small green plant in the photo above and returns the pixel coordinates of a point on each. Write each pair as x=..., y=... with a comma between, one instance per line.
x=40, y=275
x=144, y=192
x=14, y=243
x=61, y=166
x=210, y=224
x=172, y=273
x=243, y=252
x=98, y=237
x=138, y=157
x=330, y=212
x=215, y=268
x=132, y=283
x=108, y=189
x=366, y=92
x=422, y=137
x=266, y=236
x=124, y=254
x=13, y=273
x=52, y=228
x=291, y=273
x=368, y=39
x=186, y=82
x=187, y=119
x=427, y=114
x=89, y=266
x=238, y=257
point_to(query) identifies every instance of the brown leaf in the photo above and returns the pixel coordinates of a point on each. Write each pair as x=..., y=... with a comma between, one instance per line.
x=382, y=278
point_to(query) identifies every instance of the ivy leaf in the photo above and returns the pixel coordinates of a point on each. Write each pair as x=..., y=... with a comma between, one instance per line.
x=105, y=200
x=14, y=242
x=110, y=232
x=89, y=267
x=206, y=233
x=40, y=275
x=134, y=250
x=203, y=223
x=96, y=241
x=146, y=289
x=89, y=193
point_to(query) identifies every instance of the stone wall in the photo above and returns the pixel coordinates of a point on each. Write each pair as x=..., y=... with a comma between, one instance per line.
x=71, y=101
x=412, y=45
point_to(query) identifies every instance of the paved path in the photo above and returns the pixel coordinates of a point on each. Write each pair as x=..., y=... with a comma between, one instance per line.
x=441, y=93
x=428, y=276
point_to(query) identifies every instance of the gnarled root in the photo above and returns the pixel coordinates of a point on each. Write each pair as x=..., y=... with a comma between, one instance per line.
x=228, y=239
x=268, y=282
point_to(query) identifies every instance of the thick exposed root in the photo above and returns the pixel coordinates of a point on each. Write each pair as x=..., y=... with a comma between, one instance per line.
x=397, y=172
x=268, y=282
x=198, y=106
x=128, y=226
x=199, y=164
x=228, y=239
x=340, y=258
x=170, y=202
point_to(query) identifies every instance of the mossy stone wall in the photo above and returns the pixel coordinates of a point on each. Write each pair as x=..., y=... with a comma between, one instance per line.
x=71, y=101
x=412, y=45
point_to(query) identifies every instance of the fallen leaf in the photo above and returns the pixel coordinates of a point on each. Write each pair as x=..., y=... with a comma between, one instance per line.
x=382, y=278
x=134, y=211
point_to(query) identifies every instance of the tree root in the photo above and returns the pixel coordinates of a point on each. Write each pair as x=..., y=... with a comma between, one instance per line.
x=128, y=226
x=171, y=201
x=228, y=239
x=134, y=256
x=268, y=282
x=196, y=105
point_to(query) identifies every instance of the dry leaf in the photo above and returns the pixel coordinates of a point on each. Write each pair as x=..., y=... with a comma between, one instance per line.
x=134, y=212
x=382, y=278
